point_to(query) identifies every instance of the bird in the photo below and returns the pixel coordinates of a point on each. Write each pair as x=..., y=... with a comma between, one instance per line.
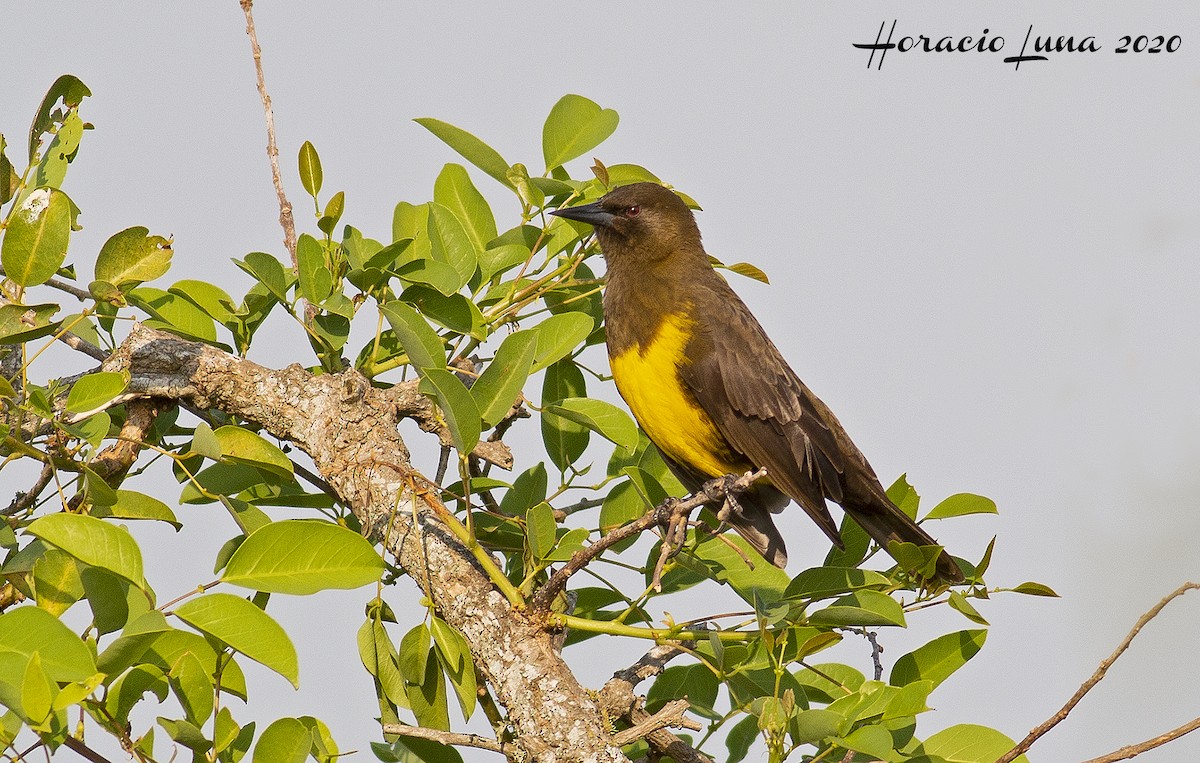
x=713, y=392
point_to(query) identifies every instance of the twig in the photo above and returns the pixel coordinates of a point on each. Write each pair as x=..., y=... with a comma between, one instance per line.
x=76, y=342
x=671, y=715
x=23, y=501
x=448, y=737
x=1129, y=751
x=83, y=750
x=286, y=221
x=712, y=490
x=1087, y=686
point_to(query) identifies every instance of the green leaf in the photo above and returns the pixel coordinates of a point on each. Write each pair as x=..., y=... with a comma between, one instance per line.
x=863, y=607
x=245, y=628
x=414, y=651
x=64, y=657
x=454, y=190
x=501, y=381
x=187, y=734
x=174, y=313
x=528, y=489
x=245, y=447
x=500, y=258
x=905, y=496
x=133, y=505
x=874, y=741
x=1031, y=588
x=303, y=556
x=35, y=242
x=455, y=654
x=92, y=541
x=471, y=148
x=287, y=740
x=962, y=504
x=968, y=743
x=37, y=694
x=439, y=275
x=459, y=410
x=67, y=87
x=93, y=391
x=565, y=440
x=750, y=271
x=379, y=656
x=211, y=299
x=540, y=529
x=415, y=750
x=450, y=243
x=938, y=659
x=132, y=257
x=959, y=602
x=56, y=581
x=248, y=516
x=428, y=699
x=824, y=582
x=606, y=419
x=816, y=725
x=424, y=347
x=575, y=126
x=310, y=169
x=316, y=282
x=695, y=682
x=193, y=686
x=269, y=272
x=558, y=335
x=23, y=323
x=455, y=312
x=740, y=738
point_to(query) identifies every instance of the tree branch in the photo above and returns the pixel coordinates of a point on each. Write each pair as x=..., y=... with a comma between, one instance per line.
x=671, y=714
x=1133, y=750
x=286, y=221
x=713, y=490
x=1039, y=731
x=349, y=430
x=449, y=738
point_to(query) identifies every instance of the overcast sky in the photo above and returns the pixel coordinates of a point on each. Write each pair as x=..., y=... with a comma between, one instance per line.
x=991, y=274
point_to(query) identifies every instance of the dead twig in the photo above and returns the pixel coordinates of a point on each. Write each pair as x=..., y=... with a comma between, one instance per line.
x=449, y=738
x=286, y=220
x=1129, y=751
x=670, y=716
x=1039, y=731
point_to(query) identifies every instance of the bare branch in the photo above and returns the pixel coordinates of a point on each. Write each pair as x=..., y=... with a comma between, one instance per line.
x=449, y=738
x=1038, y=732
x=23, y=501
x=1129, y=751
x=286, y=220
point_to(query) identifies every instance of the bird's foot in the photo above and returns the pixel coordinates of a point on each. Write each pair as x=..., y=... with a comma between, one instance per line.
x=674, y=536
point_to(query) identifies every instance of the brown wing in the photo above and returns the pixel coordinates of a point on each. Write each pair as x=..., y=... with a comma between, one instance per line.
x=761, y=407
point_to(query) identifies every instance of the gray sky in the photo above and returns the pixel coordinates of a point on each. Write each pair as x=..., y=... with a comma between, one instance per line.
x=991, y=275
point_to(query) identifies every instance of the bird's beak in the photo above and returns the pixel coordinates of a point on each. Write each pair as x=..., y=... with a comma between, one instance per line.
x=592, y=214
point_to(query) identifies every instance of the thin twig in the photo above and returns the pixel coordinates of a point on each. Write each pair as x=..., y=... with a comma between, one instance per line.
x=23, y=501
x=83, y=750
x=1087, y=686
x=286, y=221
x=712, y=490
x=1129, y=751
x=448, y=737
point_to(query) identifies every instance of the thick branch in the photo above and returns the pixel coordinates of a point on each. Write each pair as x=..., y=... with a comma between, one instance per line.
x=1038, y=732
x=348, y=428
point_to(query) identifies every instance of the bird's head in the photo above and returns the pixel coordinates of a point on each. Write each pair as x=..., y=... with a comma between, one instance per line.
x=643, y=220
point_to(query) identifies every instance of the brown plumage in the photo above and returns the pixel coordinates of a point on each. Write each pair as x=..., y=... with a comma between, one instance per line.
x=687, y=354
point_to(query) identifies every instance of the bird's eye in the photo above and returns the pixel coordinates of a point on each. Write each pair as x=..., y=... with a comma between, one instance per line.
x=633, y=211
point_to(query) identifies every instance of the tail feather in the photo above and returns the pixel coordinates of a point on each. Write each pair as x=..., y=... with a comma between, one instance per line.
x=885, y=523
x=757, y=527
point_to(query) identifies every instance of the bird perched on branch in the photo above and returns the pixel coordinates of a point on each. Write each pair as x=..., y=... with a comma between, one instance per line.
x=711, y=390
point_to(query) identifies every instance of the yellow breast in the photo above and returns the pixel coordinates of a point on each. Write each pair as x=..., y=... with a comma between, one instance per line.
x=647, y=376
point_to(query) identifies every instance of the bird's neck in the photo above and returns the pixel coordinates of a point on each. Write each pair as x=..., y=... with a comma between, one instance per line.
x=637, y=301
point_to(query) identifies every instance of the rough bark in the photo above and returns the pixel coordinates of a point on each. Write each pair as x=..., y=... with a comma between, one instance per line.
x=349, y=429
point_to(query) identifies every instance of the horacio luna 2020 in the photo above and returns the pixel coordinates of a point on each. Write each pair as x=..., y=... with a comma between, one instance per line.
x=1034, y=47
